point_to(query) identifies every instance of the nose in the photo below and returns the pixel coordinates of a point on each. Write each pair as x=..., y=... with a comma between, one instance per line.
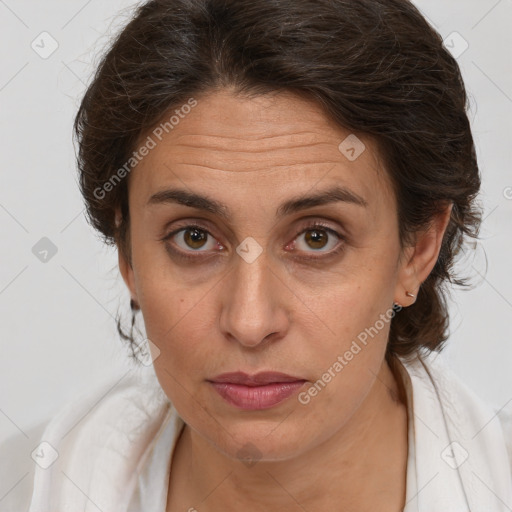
x=253, y=312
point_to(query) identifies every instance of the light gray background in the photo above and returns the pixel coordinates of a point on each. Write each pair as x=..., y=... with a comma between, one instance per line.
x=58, y=335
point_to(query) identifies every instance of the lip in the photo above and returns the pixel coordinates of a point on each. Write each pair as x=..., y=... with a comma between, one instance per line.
x=256, y=392
x=258, y=379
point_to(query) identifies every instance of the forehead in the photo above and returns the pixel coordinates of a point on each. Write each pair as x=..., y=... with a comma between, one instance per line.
x=270, y=143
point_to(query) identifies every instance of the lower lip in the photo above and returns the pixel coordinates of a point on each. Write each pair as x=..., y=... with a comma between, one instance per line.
x=256, y=397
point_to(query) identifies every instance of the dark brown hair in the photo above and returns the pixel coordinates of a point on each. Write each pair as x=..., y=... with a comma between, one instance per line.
x=375, y=67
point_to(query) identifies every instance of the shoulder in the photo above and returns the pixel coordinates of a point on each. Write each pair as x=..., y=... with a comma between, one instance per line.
x=17, y=468
x=462, y=405
x=99, y=438
x=22, y=453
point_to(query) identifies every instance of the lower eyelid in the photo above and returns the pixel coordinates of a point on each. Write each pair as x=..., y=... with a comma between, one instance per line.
x=324, y=257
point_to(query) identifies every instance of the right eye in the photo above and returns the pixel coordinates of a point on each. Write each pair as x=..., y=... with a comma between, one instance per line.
x=191, y=239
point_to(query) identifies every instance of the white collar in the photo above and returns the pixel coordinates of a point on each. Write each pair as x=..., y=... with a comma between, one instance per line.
x=459, y=461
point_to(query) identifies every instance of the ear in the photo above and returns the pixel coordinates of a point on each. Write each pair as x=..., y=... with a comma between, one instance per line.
x=127, y=273
x=126, y=269
x=417, y=261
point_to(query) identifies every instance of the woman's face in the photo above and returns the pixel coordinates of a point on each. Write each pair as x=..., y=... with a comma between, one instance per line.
x=253, y=286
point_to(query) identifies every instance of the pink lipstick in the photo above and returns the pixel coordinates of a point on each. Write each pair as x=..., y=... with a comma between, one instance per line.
x=255, y=392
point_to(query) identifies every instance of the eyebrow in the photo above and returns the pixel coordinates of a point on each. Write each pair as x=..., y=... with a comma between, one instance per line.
x=333, y=195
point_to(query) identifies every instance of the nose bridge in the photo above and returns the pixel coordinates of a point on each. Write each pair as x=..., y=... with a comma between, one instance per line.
x=251, y=309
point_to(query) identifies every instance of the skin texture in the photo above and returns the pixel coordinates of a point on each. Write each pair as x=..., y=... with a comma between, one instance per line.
x=347, y=448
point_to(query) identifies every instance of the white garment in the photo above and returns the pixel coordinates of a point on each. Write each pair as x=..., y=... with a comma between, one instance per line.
x=115, y=446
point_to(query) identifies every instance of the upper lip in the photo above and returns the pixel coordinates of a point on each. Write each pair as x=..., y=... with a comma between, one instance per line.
x=258, y=379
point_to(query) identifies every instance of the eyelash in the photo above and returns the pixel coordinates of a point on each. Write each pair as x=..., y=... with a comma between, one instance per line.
x=310, y=227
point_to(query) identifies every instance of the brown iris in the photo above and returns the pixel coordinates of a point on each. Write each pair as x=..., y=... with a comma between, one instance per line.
x=195, y=238
x=316, y=238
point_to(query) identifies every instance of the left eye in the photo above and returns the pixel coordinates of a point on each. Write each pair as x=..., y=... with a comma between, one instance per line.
x=316, y=237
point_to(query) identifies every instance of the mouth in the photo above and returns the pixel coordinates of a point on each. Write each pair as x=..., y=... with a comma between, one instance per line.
x=256, y=392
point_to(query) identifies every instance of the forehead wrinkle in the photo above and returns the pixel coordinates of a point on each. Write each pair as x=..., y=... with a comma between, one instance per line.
x=255, y=138
x=263, y=150
x=245, y=159
x=288, y=139
x=265, y=170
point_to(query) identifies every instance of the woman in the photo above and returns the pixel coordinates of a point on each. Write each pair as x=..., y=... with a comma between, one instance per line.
x=288, y=184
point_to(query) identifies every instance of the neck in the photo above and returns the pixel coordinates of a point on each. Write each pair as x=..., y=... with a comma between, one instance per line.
x=363, y=464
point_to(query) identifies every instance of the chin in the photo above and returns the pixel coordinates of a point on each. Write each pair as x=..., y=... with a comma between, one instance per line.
x=268, y=443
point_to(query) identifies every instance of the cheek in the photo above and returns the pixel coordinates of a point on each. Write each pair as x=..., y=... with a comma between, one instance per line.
x=355, y=315
x=176, y=319
x=352, y=302
x=177, y=322
x=347, y=363
x=175, y=313
x=167, y=299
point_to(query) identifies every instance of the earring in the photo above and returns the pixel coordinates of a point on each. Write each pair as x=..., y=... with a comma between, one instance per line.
x=410, y=295
x=134, y=306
